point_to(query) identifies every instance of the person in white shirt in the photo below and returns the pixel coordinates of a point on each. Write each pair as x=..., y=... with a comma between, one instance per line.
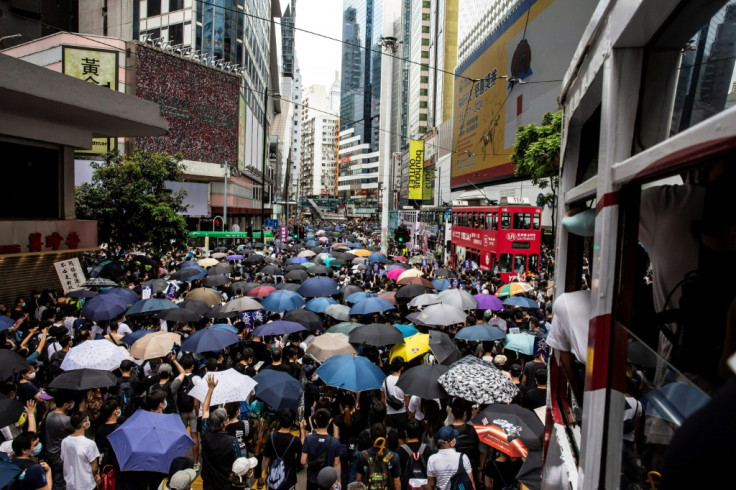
x=396, y=417
x=79, y=456
x=442, y=465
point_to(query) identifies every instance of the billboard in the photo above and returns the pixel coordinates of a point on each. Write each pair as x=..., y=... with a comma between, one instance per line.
x=534, y=45
x=200, y=103
x=98, y=66
x=416, y=169
x=241, y=132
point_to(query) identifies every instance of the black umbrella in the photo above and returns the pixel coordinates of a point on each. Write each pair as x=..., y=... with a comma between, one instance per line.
x=99, y=281
x=377, y=334
x=81, y=293
x=442, y=272
x=10, y=410
x=294, y=267
x=179, y=315
x=443, y=348
x=338, y=262
x=222, y=268
x=422, y=381
x=255, y=259
x=511, y=429
x=530, y=473
x=343, y=256
x=272, y=270
x=83, y=379
x=410, y=291
x=216, y=311
x=320, y=269
x=158, y=285
x=279, y=390
x=11, y=363
x=195, y=305
x=214, y=281
x=243, y=286
x=113, y=270
x=258, y=245
x=297, y=275
x=289, y=286
x=309, y=319
x=187, y=274
x=348, y=290
x=317, y=250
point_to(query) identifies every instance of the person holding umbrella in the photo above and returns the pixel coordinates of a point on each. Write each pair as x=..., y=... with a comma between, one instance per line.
x=37, y=476
x=219, y=448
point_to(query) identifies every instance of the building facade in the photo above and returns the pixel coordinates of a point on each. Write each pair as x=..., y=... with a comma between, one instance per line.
x=319, y=128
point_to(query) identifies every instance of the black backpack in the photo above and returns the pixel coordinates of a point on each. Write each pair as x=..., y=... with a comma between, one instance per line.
x=391, y=400
x=466, y=443
x=460, y=480
x=321, y=460
x=15, y=482
x=126, y=395
x=278, y=473
x=185, y=402
x=415, y=468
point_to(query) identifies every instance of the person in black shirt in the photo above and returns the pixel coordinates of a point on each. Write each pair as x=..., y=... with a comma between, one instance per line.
x=537, y=397
x=500, y=471
x=530, y=368
x=347, y=427
x=237, y=428
x=280, y=443
x=277, y=363
x=413, y=444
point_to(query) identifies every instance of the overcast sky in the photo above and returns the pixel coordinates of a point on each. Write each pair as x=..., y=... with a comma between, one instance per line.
x=318, y=57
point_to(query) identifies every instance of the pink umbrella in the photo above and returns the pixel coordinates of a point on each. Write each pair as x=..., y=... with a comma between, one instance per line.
x=390, y=296
x=394, y=273
x=261, y=291
x=323, y=239
x=400, y=258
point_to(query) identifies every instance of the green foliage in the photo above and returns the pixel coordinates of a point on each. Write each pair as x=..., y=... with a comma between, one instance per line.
x=537, y=153
x=131, y=203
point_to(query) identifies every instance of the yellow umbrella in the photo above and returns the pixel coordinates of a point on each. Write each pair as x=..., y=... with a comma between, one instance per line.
x=361, y=252
x=410, y=273
x=208, y=295
x=154, y=345
x=208, y=262
x=413, y=346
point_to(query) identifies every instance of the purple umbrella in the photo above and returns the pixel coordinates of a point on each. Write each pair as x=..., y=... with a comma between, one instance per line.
x=279, y=327
x=234, y=257
x=488, y=302
x=298, y=260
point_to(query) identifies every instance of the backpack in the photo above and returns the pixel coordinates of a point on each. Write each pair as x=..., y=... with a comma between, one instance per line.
x=391, y=400
x=378, y=476
x=107, y=478
x=15, y=482
x=414, y=472
x=185, y=402
x=466, y=443
x=277, y=472
x=321, y=460
x=460, y=480
x=126, y=396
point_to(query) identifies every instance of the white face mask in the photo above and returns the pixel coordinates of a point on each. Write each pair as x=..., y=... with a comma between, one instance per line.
x=32, y=375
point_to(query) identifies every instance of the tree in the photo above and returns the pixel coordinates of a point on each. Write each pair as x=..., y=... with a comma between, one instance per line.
x=537, y=155
x=131, y=203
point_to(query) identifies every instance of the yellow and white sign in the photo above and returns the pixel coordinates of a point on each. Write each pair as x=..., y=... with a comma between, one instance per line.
x=416, y=169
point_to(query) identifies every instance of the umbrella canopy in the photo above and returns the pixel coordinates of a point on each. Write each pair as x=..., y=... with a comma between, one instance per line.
x=208, y=262
x=209, y=340
x=178, y=315
x=255, y=259
x=128, y=296
x=148, y=306
x=458, y=297
x=412, y=347
x=441, y=284
x=242, y=304
x=277, y=389
x=422, y=381
x=520, y=342
x=424, y=300
x=395, y=273
x=225, y=326
x=261, y=291
x=410, y=273
x=7, y=322
x=338, y=312
x=289, y=286
x=406, y=330
x=231, y=387
x=368, y=306
x=188, y=263
x=344, y=328
x=158, y=344
x=417, y=259
x=318, y=286
x=195, y=305
x=81, y=293
x=158, y=285
x=514, y=288
x=150, y=441
x=219, y=255
x=377, y=258
x=377, y=334
x=11, y=363
x=221, y=268
x=511, y=429
x=328, y=345
x=297, y=275
x=83, y=379
x=362, y=253
x=207, y=295
x=10, y=411
x=443, y=348
x=319, y=305
x=480, y=332
x=234, y=257
x=283, y=300
x=98, y=282
x=389, y=296
x=530, y=473
x=309, y=319
x=319, y=269
x=214, y=281
x=674, y=402
x=439, y=314
x=301, y=259
x=416, y=281
x=189, y=274
x=478, y=381
x=352, y=373
x=272, y=270
x=442, y=272
x=132, y=337
x=104, y=307
x=279, y=327
x=93, y=354
x=349, y=290
x=400, y=258
x=520, y=301
x=358, y=296
x=488, y=302
x=411, y=291
x=308, y=254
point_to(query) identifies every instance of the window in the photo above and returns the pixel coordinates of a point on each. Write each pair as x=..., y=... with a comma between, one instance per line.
x=425, y=29
x=494, y=225
x=534, y=263
x=422, y=104
x=519, y=263
x=423, y=91
x=154, y=8
x=175, y=5
x=522, y=221
x=482, y=221
x=176, y=34
x=489, y=221
x=537, y=221
x=504, y=263
x=505, y=221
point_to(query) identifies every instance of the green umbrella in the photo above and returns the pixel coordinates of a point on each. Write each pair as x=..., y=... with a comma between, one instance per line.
x=344, y=327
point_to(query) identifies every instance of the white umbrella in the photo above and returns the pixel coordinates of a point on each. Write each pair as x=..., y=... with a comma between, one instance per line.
x=93, y=354
x=338, y=312
x=242, y=304
x=231, y=387
x=458, y=297
x=306, y=254
x=438, y=314
x=410, y=273
x=424, y=300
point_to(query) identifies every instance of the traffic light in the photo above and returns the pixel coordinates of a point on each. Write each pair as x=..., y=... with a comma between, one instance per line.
x=249, y=232
x=217, y=224
x=301, y=233
x=296, y=232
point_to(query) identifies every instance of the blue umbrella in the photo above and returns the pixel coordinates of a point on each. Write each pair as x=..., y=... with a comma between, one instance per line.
x=129, y=296
x=441, y=284
x=189, y=273
x=376, y=257
x=298, y=260
x=150, y=441
x=104, y=307
x=209, y=340
x=150, y=305
x=225, y=326
x=8, y=471
x=319, y=305
x=188, y=263
x=311, y=243
x=355, y=297
x=522, y=343
x=318, y=286
x=521, y=301
x=355, y=245
x=282, y=300
x=327, y=261
x=396, y=266
x=279, y=327
x=406, y=330
x=674, y=402
x=5, y=322
x=370, y=305
x=480, y=332
x=133, y=336
x=352, y=373
x=278, y=389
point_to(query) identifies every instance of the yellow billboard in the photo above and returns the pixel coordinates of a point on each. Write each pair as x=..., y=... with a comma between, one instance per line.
x=96, y=66
x=416, y=169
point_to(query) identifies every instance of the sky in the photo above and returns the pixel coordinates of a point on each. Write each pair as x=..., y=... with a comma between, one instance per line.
x=318, y=57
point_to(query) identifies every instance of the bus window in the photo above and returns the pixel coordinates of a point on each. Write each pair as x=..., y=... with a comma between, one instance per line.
x=465, y=219
x=494, y=225
x=505, y=221
x=522, y=221
x=537, y=221
x=504, y=263
x=489, y=221
x=534, y=263
x=519, y=263
x=476, y=221
x=454, y=219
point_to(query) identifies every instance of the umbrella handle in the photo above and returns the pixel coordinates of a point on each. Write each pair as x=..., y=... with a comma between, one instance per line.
x=654, y=478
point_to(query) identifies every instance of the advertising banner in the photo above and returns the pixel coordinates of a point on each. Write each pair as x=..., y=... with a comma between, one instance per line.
x=416, y=169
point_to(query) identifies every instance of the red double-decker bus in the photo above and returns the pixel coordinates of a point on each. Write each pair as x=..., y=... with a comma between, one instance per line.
x=505, y=238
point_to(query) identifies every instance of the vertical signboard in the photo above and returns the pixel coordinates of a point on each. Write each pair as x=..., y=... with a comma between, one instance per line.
x=241, y=132
x=70, y=274
x=96, y=66
x=416, y=169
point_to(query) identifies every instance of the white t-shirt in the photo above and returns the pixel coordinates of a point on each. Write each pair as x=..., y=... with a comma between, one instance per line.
x=570, y=319
x=443, y=464
x=391, y=381
x=123, y=329
x=77, y=453
x=415, y=407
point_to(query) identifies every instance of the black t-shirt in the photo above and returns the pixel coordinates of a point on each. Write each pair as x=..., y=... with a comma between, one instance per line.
x=530, y=370
x=350, y=434
x=414, y=446
x=103, y=445
x=277, y=444
x=503, y=473
x=535, y=398
x=239, y=430
x=392, y=440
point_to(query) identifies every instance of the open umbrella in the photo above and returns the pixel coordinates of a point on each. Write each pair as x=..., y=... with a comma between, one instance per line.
x=207, y=295
x=209, y=340
x=189, y=274
x=231, y=387
x=480, y=332
x=377, y=334
x=319, y=269
x=377, y=258
x=488, y=302
x=11, y=363
x=133, y=336
x=215, y=281
x=309, y=319
x=514, y=288
x=271, y=270
x=242, y=304
x=195, y=305
x=297, y=275
x=458, y=297
x=443, y=272
x=406, y=330
x=422, y=381
x=234, y=257
x=338, y=312
x=83, y=379
x=511, y=429
x=149, y=306
x=219, y=269
x=344, y=328
x=410, y=273
x=10, y=411
x=443, y=348
x=424, y=300
x=158, y=344
x=225, y=326
x=362, y=253
x=81, y=293
x=255, y=259
x=358, y=296
x=520, y=342
x=127, y=295
x=289, y=286
x=319, y=305
x=349, y=290
x=318, y=286
x=98, y=282
x=93, y=354
x=104, y=307
x=371, y=305
x=441, y=284
x=283, y=300
x=158, y=285
x=150, y=441
x=328, y=345
x=279, y=327
x=277, y=389
x=416, y=281
x=208, y=262
x=261, y=291
x=439, y=314
x=520, y=301
x=412, y=347
x=394, y=274
x=530, y=473
x=352, y=373
x=178, y=315
x=478, y=381
x=411, y=291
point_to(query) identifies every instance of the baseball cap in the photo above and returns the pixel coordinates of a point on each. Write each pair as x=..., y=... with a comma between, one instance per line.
x=182, y=479
x=446, y=434
x=241, y=466
x=164, y=367
x=327, y=477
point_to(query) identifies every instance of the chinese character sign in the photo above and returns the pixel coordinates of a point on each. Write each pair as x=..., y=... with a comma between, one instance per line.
x=416, y=169
x=70, y=274
x=284, y=233
x=146, y=292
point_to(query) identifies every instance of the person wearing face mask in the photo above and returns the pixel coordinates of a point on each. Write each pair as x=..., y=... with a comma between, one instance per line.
x=33, y=475
x=26, y=389
x=57, y=427
x=107, y=422
x=79, y=455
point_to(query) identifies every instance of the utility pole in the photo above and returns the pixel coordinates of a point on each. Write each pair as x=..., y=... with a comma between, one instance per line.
x=263, y=163
x=391, y=45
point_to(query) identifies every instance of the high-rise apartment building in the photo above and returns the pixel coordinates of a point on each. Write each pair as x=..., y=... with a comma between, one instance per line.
x=418, y=103
x=319, y=144
x=477, y=19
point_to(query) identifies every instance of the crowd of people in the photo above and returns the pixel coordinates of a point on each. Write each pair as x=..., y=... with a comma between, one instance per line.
x=344, y=436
